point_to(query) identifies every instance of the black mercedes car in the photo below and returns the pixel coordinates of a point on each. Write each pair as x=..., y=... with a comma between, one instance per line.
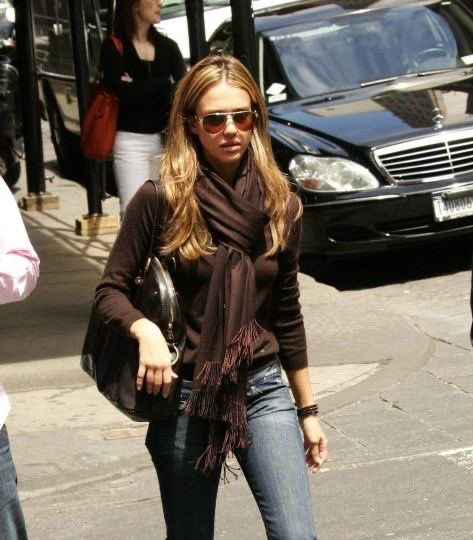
x=371, y=109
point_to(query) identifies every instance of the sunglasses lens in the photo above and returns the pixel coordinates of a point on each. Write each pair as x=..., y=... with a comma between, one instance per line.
x=244, y=120
x=213, y=123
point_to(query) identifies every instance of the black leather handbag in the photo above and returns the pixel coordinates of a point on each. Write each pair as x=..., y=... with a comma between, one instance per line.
x=111, y=358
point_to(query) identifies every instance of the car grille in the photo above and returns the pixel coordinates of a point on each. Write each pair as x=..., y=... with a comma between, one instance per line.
x=444, y=156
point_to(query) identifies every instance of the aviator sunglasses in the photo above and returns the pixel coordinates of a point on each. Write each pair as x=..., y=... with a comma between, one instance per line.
x=215, y=122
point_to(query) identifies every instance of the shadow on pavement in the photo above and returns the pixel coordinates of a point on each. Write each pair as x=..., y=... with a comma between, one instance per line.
x=397, y=266
x=51, y=323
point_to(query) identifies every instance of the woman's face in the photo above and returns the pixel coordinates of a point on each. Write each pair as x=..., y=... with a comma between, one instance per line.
x=224, y=149
x=148, y=11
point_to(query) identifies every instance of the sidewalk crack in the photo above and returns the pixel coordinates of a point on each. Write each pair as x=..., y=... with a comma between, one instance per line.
x=436, y=339
x=357, y=442
x=396, y=406
x=451, y=384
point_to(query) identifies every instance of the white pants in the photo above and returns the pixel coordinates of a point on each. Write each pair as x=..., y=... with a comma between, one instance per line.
x=132, y=154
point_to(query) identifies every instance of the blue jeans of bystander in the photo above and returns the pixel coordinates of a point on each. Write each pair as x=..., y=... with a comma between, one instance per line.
x=274, y=466
x=12, y=523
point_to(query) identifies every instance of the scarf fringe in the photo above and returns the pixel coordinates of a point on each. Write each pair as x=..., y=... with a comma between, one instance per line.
x=217, y=399
x=240, y=351
x=227, y=470
x=214, y=456
x=235, y=438
x=210, y=374
x=204, y=404
x=210, y=461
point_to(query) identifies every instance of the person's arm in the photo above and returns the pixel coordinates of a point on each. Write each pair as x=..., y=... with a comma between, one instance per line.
x=288, y=326
x=315, y=441
x=19, y=263
x=114, y=292
x=141, y=94
x=178, y=65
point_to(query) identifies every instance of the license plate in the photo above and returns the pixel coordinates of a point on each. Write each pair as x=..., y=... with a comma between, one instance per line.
x=452, y=208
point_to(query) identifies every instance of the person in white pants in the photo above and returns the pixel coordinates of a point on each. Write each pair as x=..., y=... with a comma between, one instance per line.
x=142, y=76
x=132, y=156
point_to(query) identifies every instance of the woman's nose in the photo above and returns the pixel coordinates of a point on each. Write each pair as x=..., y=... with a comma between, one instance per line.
x=230, y=125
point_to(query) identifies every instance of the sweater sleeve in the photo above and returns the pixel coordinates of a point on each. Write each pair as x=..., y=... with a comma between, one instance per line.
x=114, y=291
x=288, y=323
x=141, y=94
x=178, y=66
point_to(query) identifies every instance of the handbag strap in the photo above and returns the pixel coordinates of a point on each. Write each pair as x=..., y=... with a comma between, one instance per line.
x=118, y=43
x=152, y=242
x=119, y=46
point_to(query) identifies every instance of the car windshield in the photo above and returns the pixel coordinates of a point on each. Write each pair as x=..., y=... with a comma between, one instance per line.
x=365, y=47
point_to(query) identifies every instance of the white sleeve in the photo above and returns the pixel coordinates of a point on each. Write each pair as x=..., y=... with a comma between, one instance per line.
x=19, y=263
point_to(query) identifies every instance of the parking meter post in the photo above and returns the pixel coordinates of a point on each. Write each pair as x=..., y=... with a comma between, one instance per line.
x=80, y=53
x=196, y=26
x=244, y=40
x=111, y=16
x=37, y=198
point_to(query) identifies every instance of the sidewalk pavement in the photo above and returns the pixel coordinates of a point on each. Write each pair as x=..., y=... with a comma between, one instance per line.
x=65, y=435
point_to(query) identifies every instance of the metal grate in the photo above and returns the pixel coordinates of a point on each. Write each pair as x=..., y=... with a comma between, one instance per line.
x=443, y=156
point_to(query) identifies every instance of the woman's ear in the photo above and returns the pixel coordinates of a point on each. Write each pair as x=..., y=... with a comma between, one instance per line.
x=193, y=124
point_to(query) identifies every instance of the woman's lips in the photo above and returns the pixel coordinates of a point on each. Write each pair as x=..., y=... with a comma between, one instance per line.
x=231, y=146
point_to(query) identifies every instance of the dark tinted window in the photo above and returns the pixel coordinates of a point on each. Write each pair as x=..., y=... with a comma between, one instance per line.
x=348, y=50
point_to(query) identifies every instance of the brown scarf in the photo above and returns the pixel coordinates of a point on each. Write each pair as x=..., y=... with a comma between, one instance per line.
x=236, y=222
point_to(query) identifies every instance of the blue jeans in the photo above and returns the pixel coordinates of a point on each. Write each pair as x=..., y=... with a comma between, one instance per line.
x=274, y=466
x=12, y=523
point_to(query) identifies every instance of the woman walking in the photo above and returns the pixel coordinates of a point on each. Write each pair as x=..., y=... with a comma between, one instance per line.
x=233, y=228
x=142, y=77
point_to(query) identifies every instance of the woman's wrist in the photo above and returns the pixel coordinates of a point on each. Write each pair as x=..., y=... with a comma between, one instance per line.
x=142, y=328
x=307, y=410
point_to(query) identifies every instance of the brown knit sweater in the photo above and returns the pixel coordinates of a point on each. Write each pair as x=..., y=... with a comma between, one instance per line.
x=277, y=289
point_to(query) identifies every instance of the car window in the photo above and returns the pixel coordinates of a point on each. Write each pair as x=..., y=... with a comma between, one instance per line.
x=348, y=50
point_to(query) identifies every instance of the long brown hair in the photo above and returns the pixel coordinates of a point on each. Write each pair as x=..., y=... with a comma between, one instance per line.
x=124, y=20
x=186, y=232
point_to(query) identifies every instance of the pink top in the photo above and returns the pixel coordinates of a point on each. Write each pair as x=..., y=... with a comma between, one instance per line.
x=19, y=264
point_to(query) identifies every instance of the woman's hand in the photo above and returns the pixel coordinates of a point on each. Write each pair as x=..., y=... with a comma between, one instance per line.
x=126, y=78
x=315, y=442
x=155, y=360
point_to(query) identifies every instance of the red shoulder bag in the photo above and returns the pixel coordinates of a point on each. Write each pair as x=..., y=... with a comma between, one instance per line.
x=100, y=121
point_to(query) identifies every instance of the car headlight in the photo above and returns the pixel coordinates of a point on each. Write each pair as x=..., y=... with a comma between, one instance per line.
x=315, y=173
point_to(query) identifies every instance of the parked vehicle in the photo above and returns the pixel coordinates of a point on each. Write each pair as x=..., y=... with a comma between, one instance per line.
x=55, y=63
x=10, y=111
x=174, y=20
x=371, y=109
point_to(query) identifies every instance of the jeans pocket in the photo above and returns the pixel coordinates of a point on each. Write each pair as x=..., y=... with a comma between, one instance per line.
x=265, y=380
